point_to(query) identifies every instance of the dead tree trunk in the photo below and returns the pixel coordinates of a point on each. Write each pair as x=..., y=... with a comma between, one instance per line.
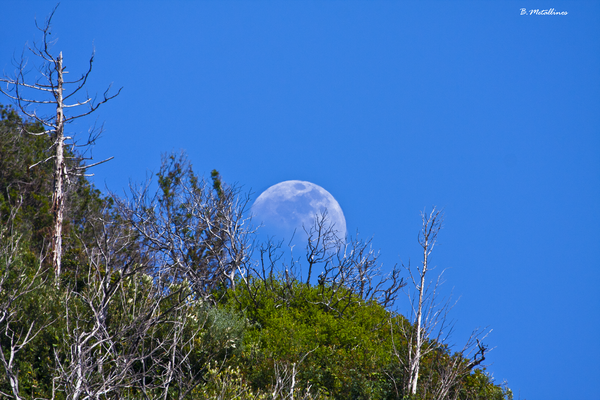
x=429, y=329
x=432, y=224
x=53, y=91
x=60, y=171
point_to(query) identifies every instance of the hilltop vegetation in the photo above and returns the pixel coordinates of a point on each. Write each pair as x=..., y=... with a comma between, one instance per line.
x=165, y=295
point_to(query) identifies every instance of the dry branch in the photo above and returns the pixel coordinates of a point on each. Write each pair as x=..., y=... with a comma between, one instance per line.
x=55, y=91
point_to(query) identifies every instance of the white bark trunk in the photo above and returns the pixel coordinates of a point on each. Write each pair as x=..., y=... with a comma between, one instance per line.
x=414, y=372
x=58, y=201
x=10, y=372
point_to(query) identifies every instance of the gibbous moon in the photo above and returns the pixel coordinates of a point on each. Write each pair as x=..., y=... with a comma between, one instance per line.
x=291, y=205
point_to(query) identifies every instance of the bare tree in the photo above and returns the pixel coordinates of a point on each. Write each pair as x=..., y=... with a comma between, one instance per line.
x=227, y=383
x=131, y=330
x=353, y=267
x=450, y=369
x=17, y=328
x=286, y=387
x=194, y=231
x=133, y=316
x=125, y=331
x=427, y=239
x=430, y=327
x=348, y=271
x=54, y=91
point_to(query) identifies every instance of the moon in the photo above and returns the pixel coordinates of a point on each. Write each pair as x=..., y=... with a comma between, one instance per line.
x=286, y=208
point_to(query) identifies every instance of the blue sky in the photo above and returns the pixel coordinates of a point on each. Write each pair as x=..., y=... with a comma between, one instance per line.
x=391, y=107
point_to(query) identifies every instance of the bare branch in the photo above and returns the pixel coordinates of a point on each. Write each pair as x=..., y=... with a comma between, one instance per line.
x=429, y=328
x=54, y=91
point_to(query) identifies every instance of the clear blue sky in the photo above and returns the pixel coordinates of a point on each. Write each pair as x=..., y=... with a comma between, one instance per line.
x=392, y=107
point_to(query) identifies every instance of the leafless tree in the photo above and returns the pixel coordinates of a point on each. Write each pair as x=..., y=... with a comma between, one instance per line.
x=96, y=357
x=194, y=231
x=135, y=317
x=450, y=369
x=126, y=330
x=348, y=271
x=353, y=267
x=131, y=329
x=17, y=328
x=52, y=90
x=286, y=386
x=432, y=224
x=429, y=328
x=227, y=384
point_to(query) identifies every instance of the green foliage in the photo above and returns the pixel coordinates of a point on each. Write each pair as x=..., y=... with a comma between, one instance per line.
x=28, y=307
x=27, y=189
x=217, y=182
x=146, y=329
x=26, y=186
x=349, y=355
x=480, y=386
x=229, y=383
x=225, y=331
x=226, y=383
x=346, y=356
